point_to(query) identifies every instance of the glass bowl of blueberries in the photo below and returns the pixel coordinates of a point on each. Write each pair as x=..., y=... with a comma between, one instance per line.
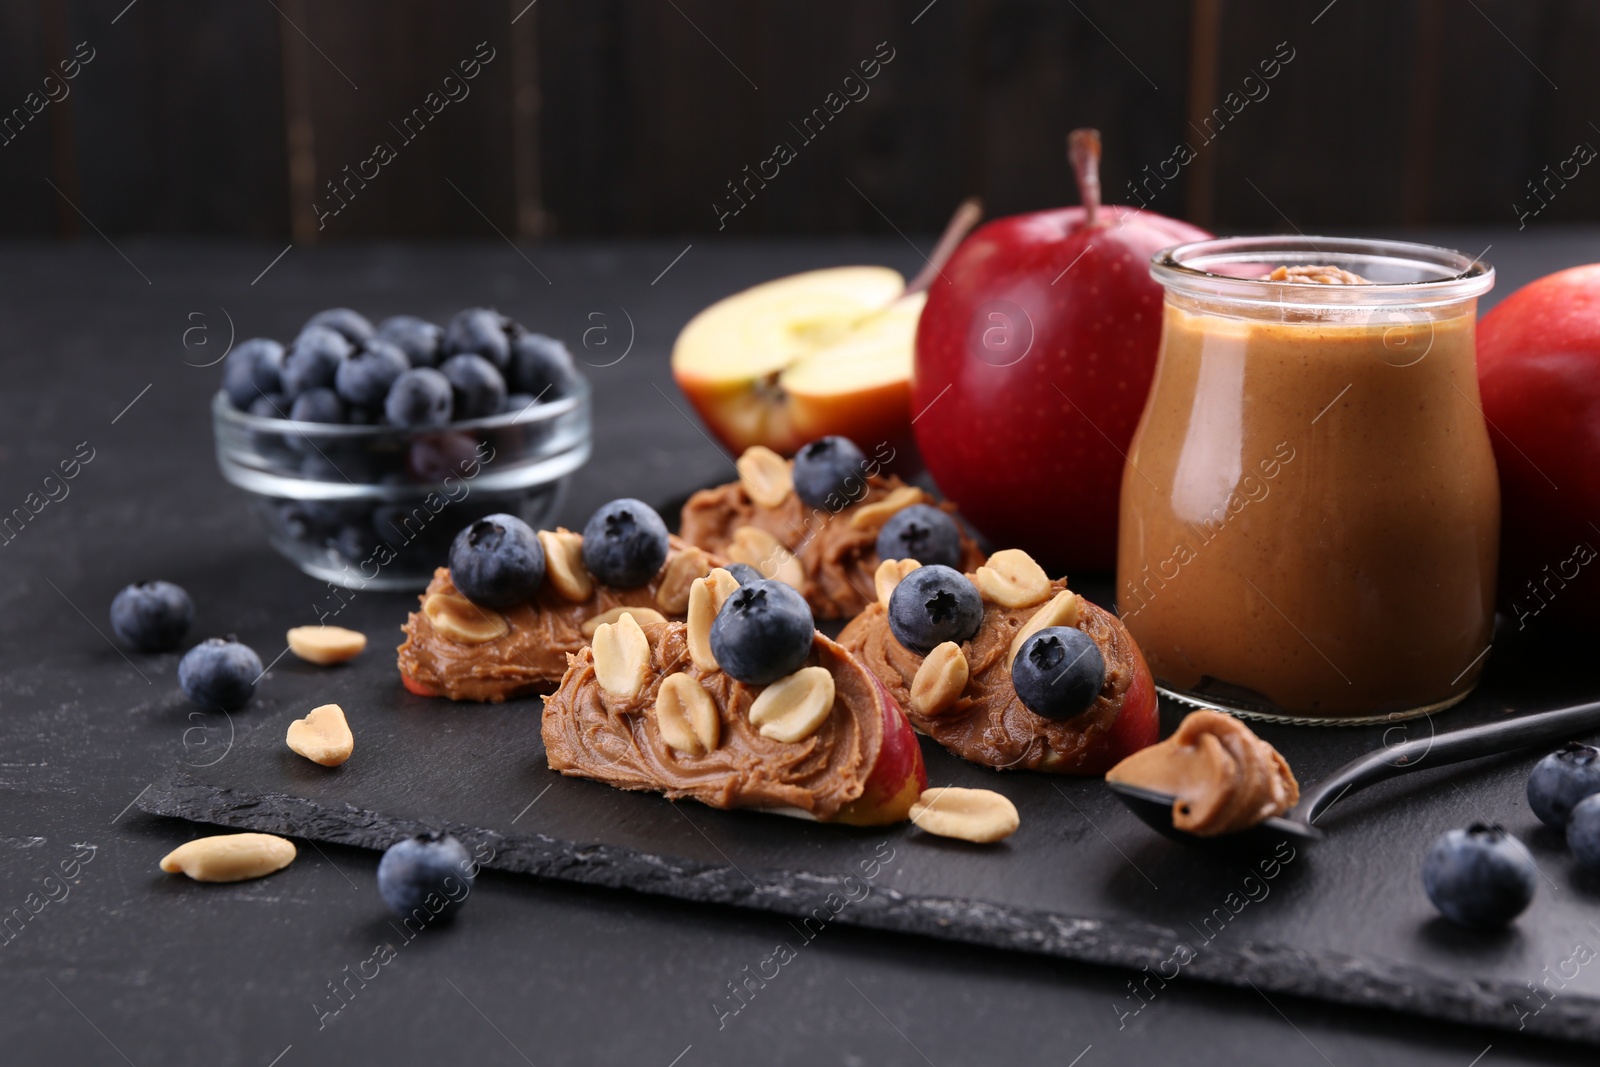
x=366, y=448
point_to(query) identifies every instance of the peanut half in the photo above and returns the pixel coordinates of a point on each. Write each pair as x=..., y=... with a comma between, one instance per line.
x=940, y=680
x=705, y=600
x=460, y=620
x=1012, y=579
x=323, y=736
x=889, y=574
x=979, y=815
x=563, y=564
x=767, y=554
x=229, y=857
x=687, y=716
x=640, y=616
x=872, y=516
x=764, y=475
x=326, y=644
x=1062, y=610
x=672, y=595
x=621, y=656
x=791, y=709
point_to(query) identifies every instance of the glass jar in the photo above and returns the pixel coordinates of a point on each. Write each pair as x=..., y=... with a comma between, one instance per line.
x=1310, y=510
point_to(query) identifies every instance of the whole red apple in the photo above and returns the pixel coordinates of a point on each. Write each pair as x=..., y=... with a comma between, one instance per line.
x=1539, y=373
x=1034, y=355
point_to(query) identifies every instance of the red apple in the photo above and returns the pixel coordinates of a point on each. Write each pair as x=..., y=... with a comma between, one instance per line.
x=1539, y=373
x=897, y=779
x=1034, y=355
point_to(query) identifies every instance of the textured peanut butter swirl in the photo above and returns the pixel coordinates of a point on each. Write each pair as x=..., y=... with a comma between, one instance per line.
x=839, y=557
x=588, y=733
x=989, y=724
x=1315, y=273
x=1223, y=777
x=531, y=658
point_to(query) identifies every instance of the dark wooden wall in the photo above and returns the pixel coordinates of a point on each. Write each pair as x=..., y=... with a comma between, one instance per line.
x=625, y=117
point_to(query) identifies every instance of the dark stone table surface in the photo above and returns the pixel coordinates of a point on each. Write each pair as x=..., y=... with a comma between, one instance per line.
x=123, y=964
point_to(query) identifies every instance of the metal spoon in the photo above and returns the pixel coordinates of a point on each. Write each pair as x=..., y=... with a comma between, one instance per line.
x=1454, y=746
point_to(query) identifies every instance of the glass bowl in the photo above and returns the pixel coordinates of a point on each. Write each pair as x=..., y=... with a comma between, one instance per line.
x=376, y=507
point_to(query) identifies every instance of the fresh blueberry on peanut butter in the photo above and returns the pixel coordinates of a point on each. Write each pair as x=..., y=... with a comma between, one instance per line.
x=497, y=561
x=763, y=632
x=932, y=605
x=743, y=573
x=625, y=543
x=1058, y=672
x=829, y=472
x=921, y=532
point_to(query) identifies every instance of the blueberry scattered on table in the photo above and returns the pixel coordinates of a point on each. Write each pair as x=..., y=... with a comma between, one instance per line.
x=313, y=360
x=420, y=398
x=743, y=573
x=763, y=632
x=482, y=332
x=421, y=340
x=541, y=367
x=1480, y=876
x=353, y=325
x=829, y=472
x=426, y=877
x=1561, y=779
x=497, y=561
x=921, y=532
x=476, y=384
x=364, y=380
x=932, y=605
x=1058, y=672
x=152, y=616
x=1583, y=832
x=253, y=369
x=219, y=673
x=624, y=543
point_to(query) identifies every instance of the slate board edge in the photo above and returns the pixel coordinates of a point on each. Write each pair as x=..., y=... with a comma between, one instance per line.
x=1372, y=983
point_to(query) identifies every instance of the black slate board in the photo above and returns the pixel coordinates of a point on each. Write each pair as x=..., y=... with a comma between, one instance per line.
x=1344, y=920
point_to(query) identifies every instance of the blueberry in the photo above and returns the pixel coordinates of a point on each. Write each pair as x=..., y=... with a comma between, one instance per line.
x=932, y=605
x=541, y=366
x=426, y=877
x=1561, y=779
x=356, y=543
x=743, y=573
x=317, y=405
x=251, y=370
x=921, y=532
x=352, y=325
x=1480, y=876
x=517, y=404
x=152, y=616
x=219, y=673
x=830, y=472
x=420, y=397
x=313, y=360
x=497, y=561
x=763, y=632
x=1058, y=672
x=481, y=332
x=1583, y=832
x=364, y=379
x=624, y=543
x=479, y=389
x=271, y=406
x=419, y=339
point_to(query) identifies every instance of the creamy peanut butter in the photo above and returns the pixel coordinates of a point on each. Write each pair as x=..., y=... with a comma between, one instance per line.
x=1223, y=778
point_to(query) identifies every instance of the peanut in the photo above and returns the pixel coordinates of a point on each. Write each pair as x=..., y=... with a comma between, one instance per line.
x=640, y=616
x=687, y=716
x=326, y=644
x=979, y=815
x=767, y=554
x=621, y=656
x=563, y=564
x=705, y=600
x=940, y=680
x=764, y=475
x=460, y=620
x=872, y=516
x=323, y=736
x=229, y=857
x=672, y=595
x=791, y=709
x=1062, y=610
x=1012, y=579
x=889, y=574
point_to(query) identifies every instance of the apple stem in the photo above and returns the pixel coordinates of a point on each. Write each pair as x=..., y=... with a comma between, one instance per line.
x=1083, y=148
x=965, y=218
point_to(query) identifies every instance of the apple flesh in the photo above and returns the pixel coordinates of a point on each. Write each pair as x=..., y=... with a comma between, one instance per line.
x=1539, y=375
x=1034, y=357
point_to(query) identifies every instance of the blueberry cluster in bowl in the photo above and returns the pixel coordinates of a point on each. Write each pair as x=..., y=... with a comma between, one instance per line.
x=405, y=372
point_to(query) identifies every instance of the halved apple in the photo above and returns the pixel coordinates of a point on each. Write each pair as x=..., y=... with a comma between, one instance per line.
x=824, y=352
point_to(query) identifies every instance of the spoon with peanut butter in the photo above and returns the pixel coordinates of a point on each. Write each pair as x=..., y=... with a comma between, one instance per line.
x=1215, y=780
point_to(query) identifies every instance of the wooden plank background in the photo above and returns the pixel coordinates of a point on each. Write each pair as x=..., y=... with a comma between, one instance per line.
x=630, y=117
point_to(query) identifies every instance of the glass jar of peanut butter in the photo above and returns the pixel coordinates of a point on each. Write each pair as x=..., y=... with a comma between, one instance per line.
x=1310, y=508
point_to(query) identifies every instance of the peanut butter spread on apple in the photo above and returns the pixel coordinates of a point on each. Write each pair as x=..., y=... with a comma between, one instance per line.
x=457, y=649
x=1316, y=273
x=728, y=762
x=828, y=553
x=985, y=721
x=1223, y=776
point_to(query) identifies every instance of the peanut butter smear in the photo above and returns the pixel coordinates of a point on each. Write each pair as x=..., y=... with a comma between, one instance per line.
x=1319, y=273
x=1223, y=777
x=589, y=733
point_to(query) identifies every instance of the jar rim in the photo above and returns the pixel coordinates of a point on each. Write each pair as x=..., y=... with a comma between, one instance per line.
x=1402, y=273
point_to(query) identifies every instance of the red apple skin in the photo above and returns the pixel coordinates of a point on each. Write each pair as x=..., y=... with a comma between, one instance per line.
x=1138, y=723
x=897, y=779
x=414, y=686
x=1539, y=373
x=1030, y=467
